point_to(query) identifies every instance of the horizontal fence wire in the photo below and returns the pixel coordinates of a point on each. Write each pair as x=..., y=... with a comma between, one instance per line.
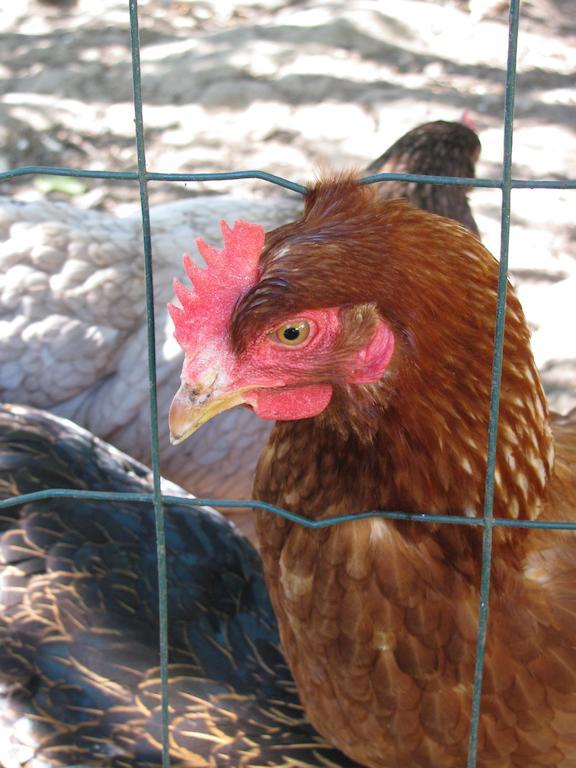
x=325, y=522
x=280, y=181
x=487, y=521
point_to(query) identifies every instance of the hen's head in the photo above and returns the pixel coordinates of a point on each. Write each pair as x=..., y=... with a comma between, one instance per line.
x=371, y=315
x=256, y=330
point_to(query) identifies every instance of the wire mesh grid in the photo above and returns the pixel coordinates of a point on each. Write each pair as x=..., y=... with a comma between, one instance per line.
x=487, y=522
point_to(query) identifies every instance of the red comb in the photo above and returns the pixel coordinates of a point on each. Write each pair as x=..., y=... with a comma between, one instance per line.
x=229, y=273
x=466, y=120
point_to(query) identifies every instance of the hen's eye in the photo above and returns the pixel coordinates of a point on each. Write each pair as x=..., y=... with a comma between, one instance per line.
x=293, y=333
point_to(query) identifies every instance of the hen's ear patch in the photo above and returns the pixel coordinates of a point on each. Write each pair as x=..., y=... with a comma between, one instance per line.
x=372, y=361
x=229, y=273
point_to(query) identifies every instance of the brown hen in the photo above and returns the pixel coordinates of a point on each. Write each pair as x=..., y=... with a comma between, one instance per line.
x=366, y=328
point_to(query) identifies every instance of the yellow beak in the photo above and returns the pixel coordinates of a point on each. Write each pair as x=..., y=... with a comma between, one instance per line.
x=194, y=406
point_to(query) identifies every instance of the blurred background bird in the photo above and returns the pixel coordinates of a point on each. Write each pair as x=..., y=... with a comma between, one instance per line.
x=365, y=329
x=440, y=148
x=72, y=315
x=79, y=622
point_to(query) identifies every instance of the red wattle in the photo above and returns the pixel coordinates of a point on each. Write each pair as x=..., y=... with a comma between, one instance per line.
x=290, y=403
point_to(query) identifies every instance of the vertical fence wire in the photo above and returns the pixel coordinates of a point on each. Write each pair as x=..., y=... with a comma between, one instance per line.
x=487, y=534
x=151, y=348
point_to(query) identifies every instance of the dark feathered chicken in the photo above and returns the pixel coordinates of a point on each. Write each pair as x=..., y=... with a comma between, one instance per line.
x=79, y=678
x=440, y=148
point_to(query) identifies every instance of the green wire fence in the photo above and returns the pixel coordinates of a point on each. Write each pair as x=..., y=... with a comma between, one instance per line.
x=487, y=522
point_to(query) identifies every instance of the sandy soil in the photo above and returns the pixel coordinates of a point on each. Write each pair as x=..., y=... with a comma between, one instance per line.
x=291, y=87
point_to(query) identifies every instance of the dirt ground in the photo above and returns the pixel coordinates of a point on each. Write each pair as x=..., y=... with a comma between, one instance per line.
x=291, y=87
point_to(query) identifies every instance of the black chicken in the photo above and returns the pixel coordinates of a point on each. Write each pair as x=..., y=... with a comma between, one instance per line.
x=79, y=677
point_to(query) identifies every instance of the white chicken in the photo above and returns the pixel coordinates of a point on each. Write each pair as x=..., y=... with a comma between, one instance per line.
x=73, y=331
